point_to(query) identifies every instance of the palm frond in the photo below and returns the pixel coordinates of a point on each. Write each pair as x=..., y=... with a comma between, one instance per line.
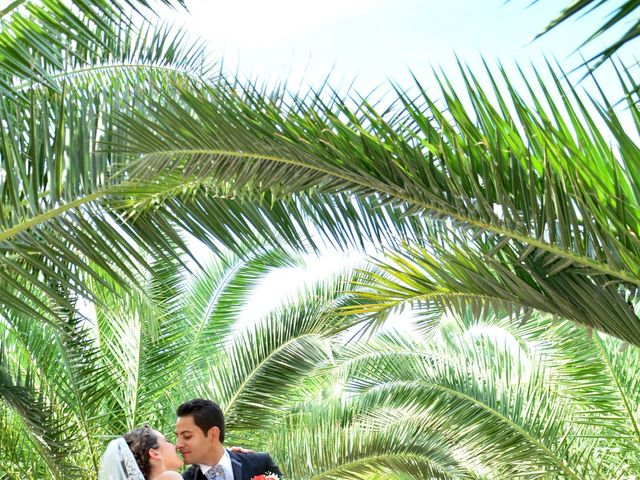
x=54, y=173
x=28, y=416
x=525, y=180
x=479, y=386
x=284, y=348
x=39, y=37
x=335, y=446
x=559, y=199
x=586, y=366
x=622, y=13
x=210, y=309
x=451, y=277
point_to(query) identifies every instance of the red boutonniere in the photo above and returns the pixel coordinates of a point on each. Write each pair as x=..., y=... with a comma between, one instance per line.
x=268, y=476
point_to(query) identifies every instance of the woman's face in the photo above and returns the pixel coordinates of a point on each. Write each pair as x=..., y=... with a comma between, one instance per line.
x=168, y=452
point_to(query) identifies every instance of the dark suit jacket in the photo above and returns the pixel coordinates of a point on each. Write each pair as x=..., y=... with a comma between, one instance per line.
x=245, y=467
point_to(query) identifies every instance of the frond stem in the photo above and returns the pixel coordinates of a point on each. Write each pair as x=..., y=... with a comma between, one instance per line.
x=502, y=418
x=115, y=66
x=623, y=396
x=373, y=459
x=229, y=405
x=403, y=197
x=49, y=215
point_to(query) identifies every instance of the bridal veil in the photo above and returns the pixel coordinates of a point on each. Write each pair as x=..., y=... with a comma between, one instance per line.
x=118, y=463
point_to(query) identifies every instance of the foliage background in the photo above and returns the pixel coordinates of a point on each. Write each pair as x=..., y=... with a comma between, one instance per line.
x=506, y=217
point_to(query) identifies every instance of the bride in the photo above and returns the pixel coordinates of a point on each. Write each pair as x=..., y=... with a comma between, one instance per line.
x=141, y=454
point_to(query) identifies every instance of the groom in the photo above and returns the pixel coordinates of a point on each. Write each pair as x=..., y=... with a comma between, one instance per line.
x=199, y=437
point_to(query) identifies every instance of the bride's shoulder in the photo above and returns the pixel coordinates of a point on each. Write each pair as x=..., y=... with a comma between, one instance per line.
x=169, y=476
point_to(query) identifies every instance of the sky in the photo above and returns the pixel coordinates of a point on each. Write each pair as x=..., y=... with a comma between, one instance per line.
x=369, y=42
x=366, y=44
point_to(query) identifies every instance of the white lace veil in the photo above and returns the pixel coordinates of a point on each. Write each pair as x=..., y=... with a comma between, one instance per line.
x=118, y=463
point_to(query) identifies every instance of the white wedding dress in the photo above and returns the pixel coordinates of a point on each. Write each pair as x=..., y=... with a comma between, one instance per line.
x=118, y=463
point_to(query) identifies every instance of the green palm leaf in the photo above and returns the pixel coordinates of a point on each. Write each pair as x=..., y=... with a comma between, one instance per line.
x=63, y=370
x=494, y=400
x=337, y=447
x=448, y=276
x=285, y=348
x=39, y=37
x=54, y=234
x=525, y=178
x=25, y=430
x=621, y=13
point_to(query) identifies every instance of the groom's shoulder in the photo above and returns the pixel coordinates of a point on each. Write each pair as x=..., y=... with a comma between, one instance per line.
x=258, y=463
x=254, y=457
x=249, y=454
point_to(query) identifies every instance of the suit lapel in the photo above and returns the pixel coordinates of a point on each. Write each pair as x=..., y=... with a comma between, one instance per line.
x=236, y=466
x=196, y=472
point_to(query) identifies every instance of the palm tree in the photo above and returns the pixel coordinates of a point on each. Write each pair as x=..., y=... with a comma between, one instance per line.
x=540, y=189
x=117, y=140
x=534, y=197
x=66, y=393
x=474, y=398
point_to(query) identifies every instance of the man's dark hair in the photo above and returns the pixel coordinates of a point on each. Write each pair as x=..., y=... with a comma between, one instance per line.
x=205, y=413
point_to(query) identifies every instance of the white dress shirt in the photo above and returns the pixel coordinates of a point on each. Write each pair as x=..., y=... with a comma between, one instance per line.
x=225, y=463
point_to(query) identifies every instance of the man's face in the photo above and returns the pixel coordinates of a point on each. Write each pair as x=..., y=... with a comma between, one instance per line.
x=191, y=442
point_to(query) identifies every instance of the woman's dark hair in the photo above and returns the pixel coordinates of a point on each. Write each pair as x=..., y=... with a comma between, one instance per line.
x=205, y=413
x=140, y=441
